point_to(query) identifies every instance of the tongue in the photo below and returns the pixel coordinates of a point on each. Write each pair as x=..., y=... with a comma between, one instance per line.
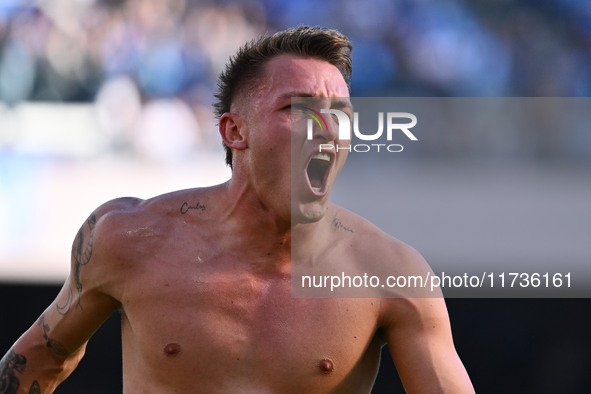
x=316, y=183
x=316, y=171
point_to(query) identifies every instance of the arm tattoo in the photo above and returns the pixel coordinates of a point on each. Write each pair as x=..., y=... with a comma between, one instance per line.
x=63, y=309
x=51, y=343
x=82, y=250
x=9, y=366
x=35, y=388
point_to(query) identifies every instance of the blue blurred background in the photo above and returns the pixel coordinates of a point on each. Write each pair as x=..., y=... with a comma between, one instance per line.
x=70, y=51
x=100, y=99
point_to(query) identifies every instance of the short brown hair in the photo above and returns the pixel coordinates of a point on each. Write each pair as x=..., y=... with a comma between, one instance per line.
x=246, y=65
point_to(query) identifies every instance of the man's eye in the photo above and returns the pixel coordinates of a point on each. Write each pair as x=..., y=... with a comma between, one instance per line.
x=297, y=109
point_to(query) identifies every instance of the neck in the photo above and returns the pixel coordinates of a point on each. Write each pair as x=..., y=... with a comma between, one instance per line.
x=263, y=236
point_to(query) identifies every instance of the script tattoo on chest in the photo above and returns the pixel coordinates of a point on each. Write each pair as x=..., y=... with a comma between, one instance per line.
x=186, y=207
x=339, y=225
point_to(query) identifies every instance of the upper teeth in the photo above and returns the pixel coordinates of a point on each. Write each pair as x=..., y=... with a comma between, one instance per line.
x=321, y=156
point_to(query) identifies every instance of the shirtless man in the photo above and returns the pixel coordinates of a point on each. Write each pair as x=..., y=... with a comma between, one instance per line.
x=202, y=276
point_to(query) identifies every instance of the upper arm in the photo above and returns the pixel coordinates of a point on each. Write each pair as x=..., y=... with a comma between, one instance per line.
x=83, y=302
x=55, y=343
x=420, y=341
x=89, y=294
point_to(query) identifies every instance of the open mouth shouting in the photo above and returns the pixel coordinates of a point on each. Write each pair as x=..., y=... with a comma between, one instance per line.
x=317, y=172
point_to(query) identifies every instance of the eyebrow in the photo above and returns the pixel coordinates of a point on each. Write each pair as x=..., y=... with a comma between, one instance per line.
x=340, y=104
x=290, y=95
x=337, y=103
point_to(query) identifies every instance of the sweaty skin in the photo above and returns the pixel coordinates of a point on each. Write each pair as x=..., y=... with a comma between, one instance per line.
x=227, y=321
x=202, y=278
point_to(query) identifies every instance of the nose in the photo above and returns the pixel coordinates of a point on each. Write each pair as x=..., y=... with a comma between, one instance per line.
x=338, y=125
x=326, y=128
x=327, y=132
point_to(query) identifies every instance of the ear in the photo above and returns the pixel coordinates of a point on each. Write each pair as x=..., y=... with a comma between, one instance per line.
x=231, y=131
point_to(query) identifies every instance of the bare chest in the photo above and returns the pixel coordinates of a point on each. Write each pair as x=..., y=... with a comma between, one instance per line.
x=213, y=321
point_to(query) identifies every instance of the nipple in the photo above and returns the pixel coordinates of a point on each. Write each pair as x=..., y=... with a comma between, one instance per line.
x=326, y=366
x=172, y=349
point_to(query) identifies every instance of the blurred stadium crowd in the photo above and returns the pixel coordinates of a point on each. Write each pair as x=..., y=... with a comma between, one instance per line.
x=148, y=65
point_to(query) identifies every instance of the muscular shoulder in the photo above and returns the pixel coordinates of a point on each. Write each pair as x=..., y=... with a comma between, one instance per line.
x=406, y=294
x=367, y=241
x=129, y=219
x=124, y=233
x=371, y=251
x=96, y=242
x=116, y=219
